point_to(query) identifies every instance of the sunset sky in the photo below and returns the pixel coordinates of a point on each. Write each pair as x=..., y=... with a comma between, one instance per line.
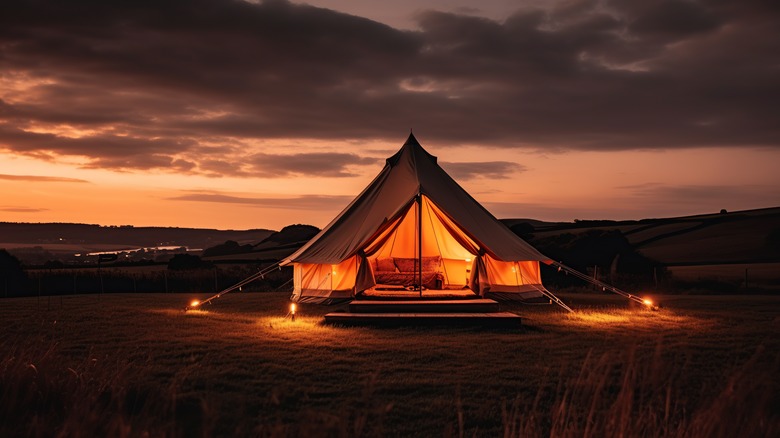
x=232, y=114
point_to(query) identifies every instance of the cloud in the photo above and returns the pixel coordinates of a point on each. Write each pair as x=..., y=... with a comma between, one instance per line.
x=39, y=178
x=304, y=202
x=23, y=209
x=327, y=164
x=704, y=195
x=485, y=169
x=125, y=87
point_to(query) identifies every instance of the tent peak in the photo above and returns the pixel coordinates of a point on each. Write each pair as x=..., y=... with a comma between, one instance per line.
x=412, y=140
x=411, y=148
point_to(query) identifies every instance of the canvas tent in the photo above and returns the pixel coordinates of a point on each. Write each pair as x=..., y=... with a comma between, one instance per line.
x=414, y=227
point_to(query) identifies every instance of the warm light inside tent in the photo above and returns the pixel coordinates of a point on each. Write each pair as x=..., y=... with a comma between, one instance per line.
x=195, y=303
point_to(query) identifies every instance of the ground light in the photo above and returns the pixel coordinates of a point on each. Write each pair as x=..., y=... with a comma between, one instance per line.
x=195, y=303
x=649, y=303
x=292, y=311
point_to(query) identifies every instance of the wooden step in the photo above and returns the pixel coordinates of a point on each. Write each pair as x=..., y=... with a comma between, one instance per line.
x=494, y=319
x=424, y=306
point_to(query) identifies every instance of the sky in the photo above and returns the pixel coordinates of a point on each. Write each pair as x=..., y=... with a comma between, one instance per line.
x=233, y=114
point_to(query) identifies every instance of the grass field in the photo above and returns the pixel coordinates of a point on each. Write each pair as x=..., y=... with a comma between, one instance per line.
x=134, y=365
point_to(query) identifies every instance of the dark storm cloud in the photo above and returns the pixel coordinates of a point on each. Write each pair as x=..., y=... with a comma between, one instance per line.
x=40, y=178
x=196, y=86
x=485, y=169
x=305, y=202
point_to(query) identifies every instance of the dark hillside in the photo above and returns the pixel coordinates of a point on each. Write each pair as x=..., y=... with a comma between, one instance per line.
x=723, y=251
x=736, y=237
x=274, y=247
x=80, y=234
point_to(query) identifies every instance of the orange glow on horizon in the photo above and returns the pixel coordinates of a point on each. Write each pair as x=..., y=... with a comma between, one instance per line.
x=554, y=187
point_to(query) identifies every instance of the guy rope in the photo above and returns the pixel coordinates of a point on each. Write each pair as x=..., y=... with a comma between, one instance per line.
x=244, y=282
x=604, y=286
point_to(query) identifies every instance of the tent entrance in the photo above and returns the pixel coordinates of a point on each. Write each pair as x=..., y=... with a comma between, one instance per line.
x=419, y=250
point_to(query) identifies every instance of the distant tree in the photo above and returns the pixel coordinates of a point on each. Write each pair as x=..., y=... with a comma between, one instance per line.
x=292, y=234
x=184, y=262
x=523, y=229
x=593, y=248
x=53, y=264
x=12, y=276
x=227, y=248
x=773, y=239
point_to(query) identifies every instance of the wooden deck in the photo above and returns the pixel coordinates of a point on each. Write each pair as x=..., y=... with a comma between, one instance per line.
x=494, y=319
x=416, y=312
x=424, y=306
x=459, y=294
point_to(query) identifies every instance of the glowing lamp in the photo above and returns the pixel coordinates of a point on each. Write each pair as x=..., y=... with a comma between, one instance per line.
x=468, y=260
x=195, y=303
x=647, y=302
x=292, y=311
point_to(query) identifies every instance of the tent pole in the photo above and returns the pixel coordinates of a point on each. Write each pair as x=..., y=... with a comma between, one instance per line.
x=419, y=240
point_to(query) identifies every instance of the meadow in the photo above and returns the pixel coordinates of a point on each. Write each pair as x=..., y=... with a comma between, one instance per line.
x=138, y=365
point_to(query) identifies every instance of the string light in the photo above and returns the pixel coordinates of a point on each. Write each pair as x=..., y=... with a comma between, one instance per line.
x=238, y=287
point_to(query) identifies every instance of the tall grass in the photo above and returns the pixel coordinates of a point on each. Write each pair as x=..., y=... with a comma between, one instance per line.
x=612, y=395
x=41, y=395
x=139, y=366
x=622, y=396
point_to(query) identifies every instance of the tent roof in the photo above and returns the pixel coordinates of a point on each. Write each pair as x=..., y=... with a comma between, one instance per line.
x=409, y=172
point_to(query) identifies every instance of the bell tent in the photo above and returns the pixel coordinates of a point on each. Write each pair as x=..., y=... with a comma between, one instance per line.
x=413, y=229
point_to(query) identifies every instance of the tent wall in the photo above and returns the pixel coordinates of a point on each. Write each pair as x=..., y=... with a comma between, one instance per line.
x=510, y=280
x=323, y=283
